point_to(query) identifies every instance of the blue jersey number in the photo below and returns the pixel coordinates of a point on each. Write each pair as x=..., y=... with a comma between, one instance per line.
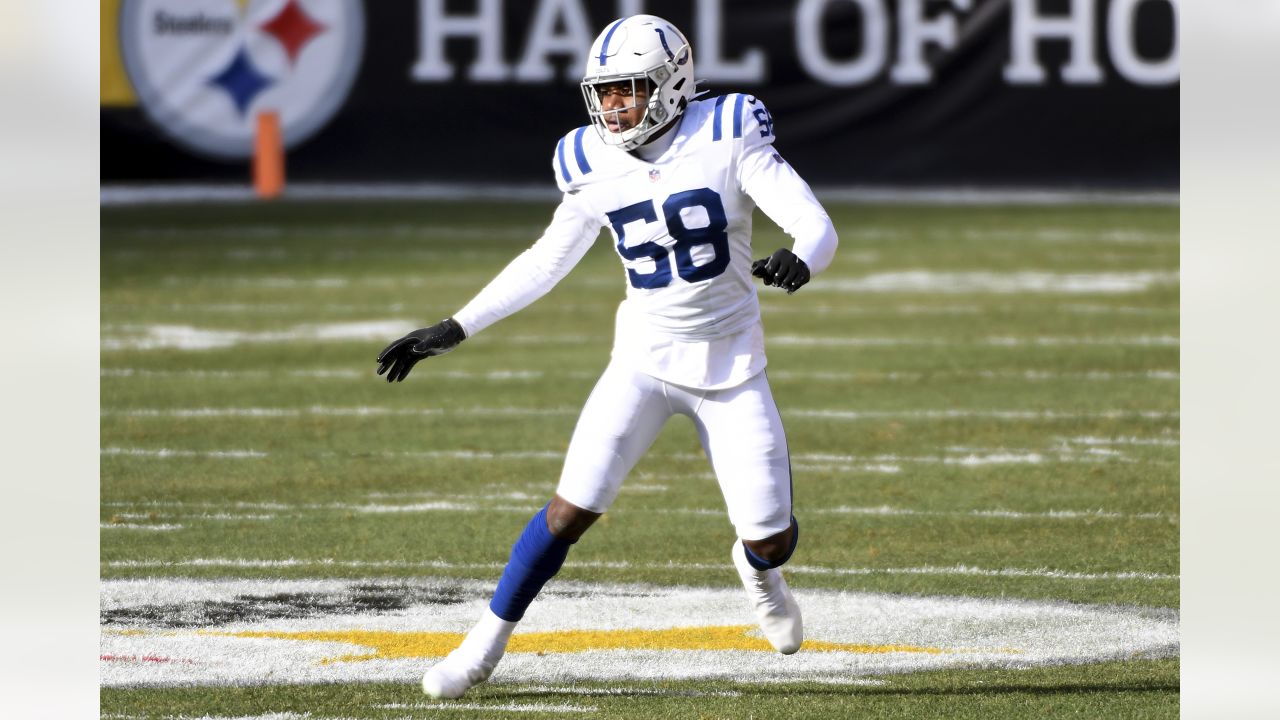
x=686, y=238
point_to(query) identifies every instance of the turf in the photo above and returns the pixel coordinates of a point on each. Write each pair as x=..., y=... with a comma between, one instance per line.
x=1140, y=689
x=946, y=402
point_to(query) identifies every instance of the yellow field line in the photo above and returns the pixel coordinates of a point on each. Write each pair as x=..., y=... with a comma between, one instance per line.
x=388, y=644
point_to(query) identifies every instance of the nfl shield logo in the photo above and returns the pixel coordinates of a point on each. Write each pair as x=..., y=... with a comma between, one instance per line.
x=654, y=175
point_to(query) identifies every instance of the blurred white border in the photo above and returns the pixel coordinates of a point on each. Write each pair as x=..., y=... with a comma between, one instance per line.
x=1231, y=256
x=1230, y=357
x=49, y=361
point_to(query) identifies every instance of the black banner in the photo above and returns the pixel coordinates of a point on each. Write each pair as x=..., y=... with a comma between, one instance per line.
x=1059, y=93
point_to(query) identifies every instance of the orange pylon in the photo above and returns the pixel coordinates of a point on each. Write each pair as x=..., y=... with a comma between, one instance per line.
x=268, y=156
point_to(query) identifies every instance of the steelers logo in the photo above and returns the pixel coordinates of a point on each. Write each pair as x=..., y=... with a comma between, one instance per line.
x=205, y=69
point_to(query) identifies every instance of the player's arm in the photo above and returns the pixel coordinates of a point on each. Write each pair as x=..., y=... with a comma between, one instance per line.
x=528, y=277
x=786, y=198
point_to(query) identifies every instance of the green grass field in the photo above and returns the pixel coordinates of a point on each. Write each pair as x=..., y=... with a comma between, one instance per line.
x=980, y=403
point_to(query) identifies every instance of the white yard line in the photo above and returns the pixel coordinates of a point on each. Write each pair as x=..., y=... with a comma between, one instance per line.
x=993, y=341
x=201, y=516
x=267, y=716
x=988, y=572
x=332, y=282
x=357, y=411
x=630, y=692
x=238, y=309
x=770, y=308
x=1028, y=375
x=886, y=511
x=503, y=375
x=931, y=281
x=169, y=453
x=482, y=455
x=882, y=464
x=1118, y=235
x=317, y=373
x=437, y=506
x=1013, y=415
x=878, y=468
x=248, y=563
x=1091, y=309
x=1092, y=441
x=1045, y=573
x=188, y=337
x=1050, y=341
x=1094, y=449
x=1043, y=375
x=485, y=503
x=161, y=527
x=504, y=707
x=803, y=413
x=767, y=306
x=181, y=504
x=192, y=338
x=966, y=459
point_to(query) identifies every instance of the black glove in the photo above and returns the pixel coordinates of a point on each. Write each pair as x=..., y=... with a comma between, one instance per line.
x=782, y=269
x=400, y=356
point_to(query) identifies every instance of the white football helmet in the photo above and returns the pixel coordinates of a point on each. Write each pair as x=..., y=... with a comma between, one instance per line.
x=640, y=49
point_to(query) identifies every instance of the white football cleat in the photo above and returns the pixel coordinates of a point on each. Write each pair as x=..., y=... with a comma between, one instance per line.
x=776, y=609
x=454, y=675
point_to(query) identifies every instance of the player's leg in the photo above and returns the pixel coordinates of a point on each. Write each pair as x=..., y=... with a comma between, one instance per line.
x=536, y=557
x=619, y=422
x=742, y=434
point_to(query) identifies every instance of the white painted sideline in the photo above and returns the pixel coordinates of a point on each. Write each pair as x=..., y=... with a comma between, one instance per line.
x=140, y=194
x=335, y=640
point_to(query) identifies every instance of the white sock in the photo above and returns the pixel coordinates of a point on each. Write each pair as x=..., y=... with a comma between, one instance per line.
x=488, y=639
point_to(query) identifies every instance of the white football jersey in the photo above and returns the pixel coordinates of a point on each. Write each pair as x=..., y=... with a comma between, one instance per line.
x=682, y=227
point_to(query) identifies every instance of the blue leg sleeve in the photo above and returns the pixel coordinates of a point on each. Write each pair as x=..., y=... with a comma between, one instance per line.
x=535, y=558
x=760, y=563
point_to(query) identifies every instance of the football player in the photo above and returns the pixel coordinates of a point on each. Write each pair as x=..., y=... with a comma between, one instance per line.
x=675, y=179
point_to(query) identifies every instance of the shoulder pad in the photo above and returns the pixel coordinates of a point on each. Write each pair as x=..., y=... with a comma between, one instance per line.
x=570, y=161
x=741, y=117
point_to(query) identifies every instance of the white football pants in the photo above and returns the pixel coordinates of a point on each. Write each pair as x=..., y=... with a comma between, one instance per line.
x=740, y=430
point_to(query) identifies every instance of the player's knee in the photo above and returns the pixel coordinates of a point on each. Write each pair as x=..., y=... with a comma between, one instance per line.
x=774, y=550
x=568, y=521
